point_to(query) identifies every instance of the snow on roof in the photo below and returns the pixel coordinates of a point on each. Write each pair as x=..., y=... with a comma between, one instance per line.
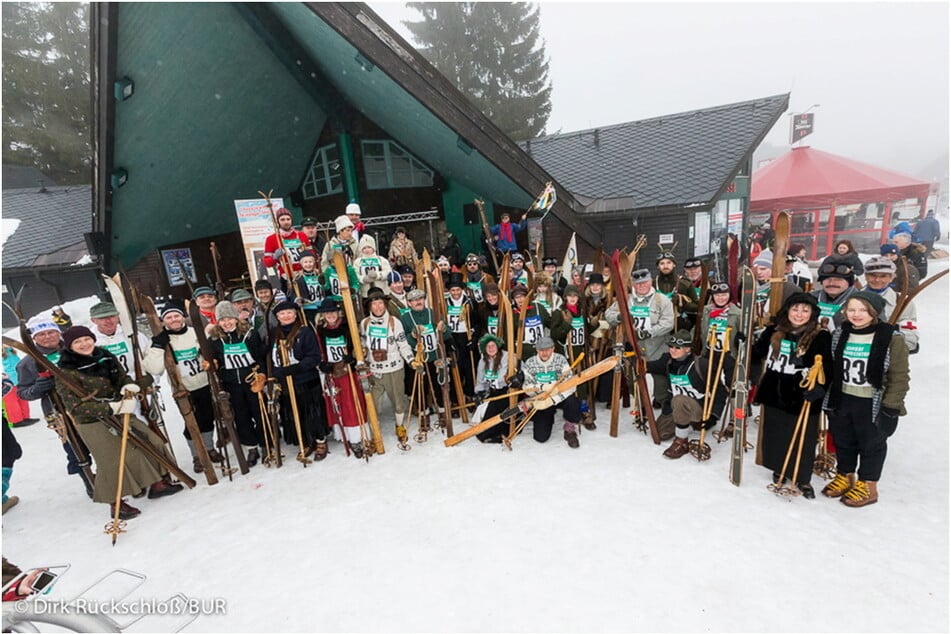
x=9, y=227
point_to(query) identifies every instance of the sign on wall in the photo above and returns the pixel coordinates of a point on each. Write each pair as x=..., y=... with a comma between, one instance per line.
x=255, y=224
x=178, y=264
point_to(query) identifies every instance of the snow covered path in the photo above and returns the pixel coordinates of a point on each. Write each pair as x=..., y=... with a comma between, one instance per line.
x=611, y=537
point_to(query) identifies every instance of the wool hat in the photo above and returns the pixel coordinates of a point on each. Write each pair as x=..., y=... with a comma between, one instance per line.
x=393, y=277
x=306, y=253
x=640, y=275
x=284, y=304
x=571, y=289
x=901, y=227
x=283, y=212
x=308, y=222
x=887, y=248
x=800, y=298
x=241, y=295
x=39, y=324
x=103, y=309
x=225, y=310
x=341, y=223
x=203, y=290
x=376, y=293
x=874, y=301
x=172, y=306
x=666, y=255
x=880, y=264
x=544, y=343
x=415, y=294
x=328, y=305
x=263, y=284
x=76, y=332
x=486, y=338
x=366, y=240
x=765, y=258
x=353, y=208
x=596, y=278
x=834, y=266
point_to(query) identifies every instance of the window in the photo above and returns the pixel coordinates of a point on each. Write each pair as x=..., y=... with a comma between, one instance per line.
x=387, y=165
x=325, y=176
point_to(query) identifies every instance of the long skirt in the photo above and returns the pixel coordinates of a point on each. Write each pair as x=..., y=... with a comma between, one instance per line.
x=776, y=428
x=346, y=407
x=310, y=409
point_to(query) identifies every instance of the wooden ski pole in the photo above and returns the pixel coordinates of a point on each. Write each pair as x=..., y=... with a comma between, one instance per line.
x=117, y=526
x=292, y=397
x=808, y=382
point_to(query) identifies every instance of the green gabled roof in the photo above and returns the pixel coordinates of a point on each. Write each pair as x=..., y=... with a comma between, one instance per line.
x=214, y=117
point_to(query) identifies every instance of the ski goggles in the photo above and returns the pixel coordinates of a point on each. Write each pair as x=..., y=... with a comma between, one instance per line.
x=666, y=255
x=692, y=263
x=835, y=269
x=719, y=287
x=472, y=260
x=678, y=342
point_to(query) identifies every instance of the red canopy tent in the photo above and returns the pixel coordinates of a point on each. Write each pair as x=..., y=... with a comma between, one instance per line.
x=812, y=184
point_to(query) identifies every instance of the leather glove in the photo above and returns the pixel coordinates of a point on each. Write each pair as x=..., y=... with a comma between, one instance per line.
x=480, y=396
x=543, y=403
x=130, y=388
x=815, y=394
x=709, y=423
x=349, y=359
x=643, y=334
x=516, y=380
x=278, y=253
x=44, y=384
x=124, y=406
x=887, y=421
x=325, y=366
x=160, y=340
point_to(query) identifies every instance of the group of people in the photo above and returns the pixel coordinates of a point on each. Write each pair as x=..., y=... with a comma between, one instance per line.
x=293, y=357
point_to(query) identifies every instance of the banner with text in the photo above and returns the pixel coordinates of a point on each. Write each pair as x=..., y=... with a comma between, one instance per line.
x=255, y=224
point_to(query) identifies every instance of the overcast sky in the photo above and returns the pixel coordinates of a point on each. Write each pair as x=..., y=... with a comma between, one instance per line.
x=878, y=70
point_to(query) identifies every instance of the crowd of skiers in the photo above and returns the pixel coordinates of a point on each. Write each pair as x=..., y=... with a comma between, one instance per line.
x=296, y=368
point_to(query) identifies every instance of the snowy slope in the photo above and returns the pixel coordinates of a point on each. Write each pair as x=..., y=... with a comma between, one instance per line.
x=475, y=538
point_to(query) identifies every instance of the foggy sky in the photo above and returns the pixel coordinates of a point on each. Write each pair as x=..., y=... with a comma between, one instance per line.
x=879, y=71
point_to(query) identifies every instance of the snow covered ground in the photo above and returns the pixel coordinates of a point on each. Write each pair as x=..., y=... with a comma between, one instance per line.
x=610, y=537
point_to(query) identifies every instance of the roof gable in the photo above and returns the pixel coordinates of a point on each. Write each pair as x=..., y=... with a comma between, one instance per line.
x=50, y=220
x=673, y=160
x=24, y=177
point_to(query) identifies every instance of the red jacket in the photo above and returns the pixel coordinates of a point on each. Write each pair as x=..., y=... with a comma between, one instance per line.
x=294, y=242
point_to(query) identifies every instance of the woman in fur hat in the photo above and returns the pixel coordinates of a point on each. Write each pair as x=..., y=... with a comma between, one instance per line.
x=866, y=395
x=544, y=292
x=790, y=347
x=402, y=250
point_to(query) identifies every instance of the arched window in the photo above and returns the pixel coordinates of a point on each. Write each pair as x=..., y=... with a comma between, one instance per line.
x=325, y=176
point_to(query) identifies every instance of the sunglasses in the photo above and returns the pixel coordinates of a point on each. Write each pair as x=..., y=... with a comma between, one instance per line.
x=841, y=269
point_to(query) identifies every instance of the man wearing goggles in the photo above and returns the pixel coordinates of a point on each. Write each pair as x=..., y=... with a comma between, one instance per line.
x=837, y=284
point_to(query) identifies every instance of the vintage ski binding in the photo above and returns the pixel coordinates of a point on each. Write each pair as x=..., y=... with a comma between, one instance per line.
x=698, y=451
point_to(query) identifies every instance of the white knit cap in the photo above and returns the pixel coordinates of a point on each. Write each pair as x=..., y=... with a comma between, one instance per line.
x=353, y=208
x=341, y=223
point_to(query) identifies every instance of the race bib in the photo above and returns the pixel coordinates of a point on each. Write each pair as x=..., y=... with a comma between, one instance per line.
x=276, y=356
x=369, y=264
x=544, y=304
x=429, y=338
x=475, y=289
x=293, y=246
x=188, y=361
x=718, y=327
x=492, y=325
x=333, y=284
x=855, y=364
x=641, y=316
x=237, y=356
x=456, y=324
x=576, y=334
x=546, y=378
x=828, y=310
x=120, y=351
x=782, y=362
x=377, y=335
x=53, y=357
x=315, y=293
x=680, y=386
x=533, y=329
x=491, y=375
x=336, y=348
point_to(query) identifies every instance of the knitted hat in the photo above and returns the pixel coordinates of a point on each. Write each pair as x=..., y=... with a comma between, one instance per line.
x=172, y=306
x=415, y=294
x=203, y=290
x=366, y=240
x=328, y=306
x=283, y=212
x=284, y=304
x=873, y=300
x=880, y=264
x=887, y=248
x=39, y=324
x=486, y=338
x=640, y=275
x=341, y=223
x=103, y=309
x=765, y=258
x=834, y=266
x=544, y=343
x=263, y=284
x=241, y=295
x=225, y=310
x=353, y=208
x=75, y=333
x=393, y=277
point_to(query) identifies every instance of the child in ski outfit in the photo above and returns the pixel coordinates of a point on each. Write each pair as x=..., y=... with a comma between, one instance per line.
x=865, y=397
x=308, y=290
x=371, y=267
x=541, y=371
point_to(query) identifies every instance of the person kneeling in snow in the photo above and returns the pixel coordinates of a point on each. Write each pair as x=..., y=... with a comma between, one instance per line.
x=688, y=375
x=541, y=371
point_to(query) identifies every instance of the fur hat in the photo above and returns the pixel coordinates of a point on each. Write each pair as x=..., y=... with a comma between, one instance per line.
x=341, y=223
x=225, y=310
x=541, y=279
x=880, y=264
x=353, y=208
x=76, y=332
x=873, y=300
x=486, y=338
x=103, y=309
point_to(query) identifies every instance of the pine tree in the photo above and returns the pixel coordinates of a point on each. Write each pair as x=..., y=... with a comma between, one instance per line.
x=47, y=104
x=493, y=54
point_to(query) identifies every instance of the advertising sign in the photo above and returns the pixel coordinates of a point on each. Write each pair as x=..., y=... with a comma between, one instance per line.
x=255, y=224
x=801, y=126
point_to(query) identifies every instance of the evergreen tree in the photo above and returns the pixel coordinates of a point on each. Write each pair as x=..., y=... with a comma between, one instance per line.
x=492, y=52
x=47, y=103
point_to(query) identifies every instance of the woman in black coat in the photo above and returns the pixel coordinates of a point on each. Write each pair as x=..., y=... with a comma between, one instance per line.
x=790, y=346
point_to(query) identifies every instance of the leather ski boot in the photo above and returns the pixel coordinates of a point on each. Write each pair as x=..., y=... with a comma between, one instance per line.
x=253, y=456
x=572, y=439
x=162, y=488
x=126, y=512
x=839, y=486
x=320, y=450
x=357, y=449
x=862, y=493
x=197, y=465
x=679, y=448
x=215, y=456
x=587, y=419
x=9, y=503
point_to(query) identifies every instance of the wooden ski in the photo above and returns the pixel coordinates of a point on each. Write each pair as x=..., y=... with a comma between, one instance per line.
x=480, y=205
x=778, y=276
x=741, y=380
